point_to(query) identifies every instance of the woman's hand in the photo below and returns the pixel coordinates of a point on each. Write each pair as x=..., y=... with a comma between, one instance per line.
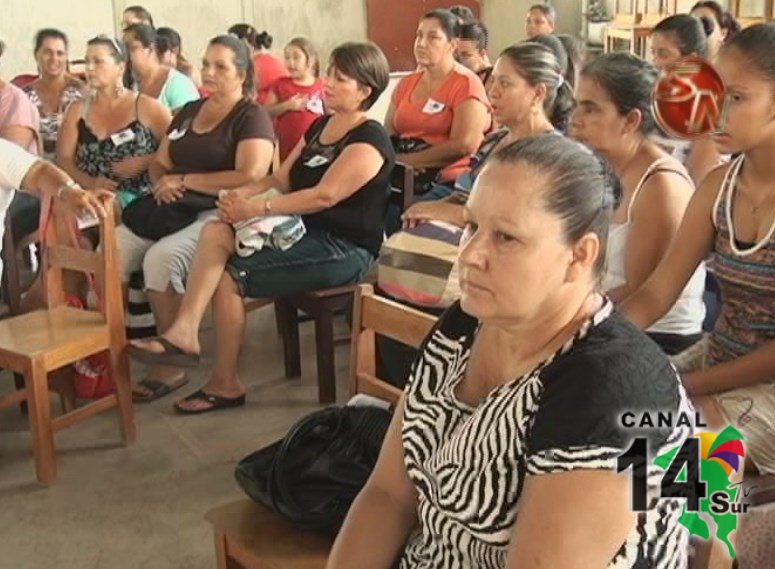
x=86, y=204
x=103, y=183
x=169, y=188
x=432, y=210
x=130, y=167
x=234, y=207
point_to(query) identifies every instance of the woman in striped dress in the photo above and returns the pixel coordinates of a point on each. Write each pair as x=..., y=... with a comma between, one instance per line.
x=732, y=217
x=503, y=450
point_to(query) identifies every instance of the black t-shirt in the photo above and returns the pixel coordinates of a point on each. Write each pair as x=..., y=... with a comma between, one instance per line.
x=361, y=217
x=216, y=150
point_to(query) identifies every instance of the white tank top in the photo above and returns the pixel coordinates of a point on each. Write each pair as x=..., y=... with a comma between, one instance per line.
x=688, y=312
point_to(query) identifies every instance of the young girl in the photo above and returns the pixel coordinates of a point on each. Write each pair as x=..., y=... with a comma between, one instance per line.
x=732, y=216
x=296, y=101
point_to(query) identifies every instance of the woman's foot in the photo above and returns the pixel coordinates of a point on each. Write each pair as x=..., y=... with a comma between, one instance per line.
x=160, y=381
x=213, y=395
x=167, y=350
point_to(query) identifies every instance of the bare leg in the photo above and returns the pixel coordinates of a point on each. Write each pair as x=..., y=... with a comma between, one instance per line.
x=229, y=320
x=216, y=245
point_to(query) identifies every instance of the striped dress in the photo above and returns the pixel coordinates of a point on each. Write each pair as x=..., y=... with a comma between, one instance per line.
x=746, y=276
x=469, y=465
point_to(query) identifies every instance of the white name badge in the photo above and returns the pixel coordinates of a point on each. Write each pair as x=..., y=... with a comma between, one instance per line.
x=315, y=105
x=120, y=138
x=316, y=161
x=176, y=134
x=433, y=107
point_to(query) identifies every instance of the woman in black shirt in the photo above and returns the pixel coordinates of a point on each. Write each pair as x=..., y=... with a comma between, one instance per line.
x=337, y=179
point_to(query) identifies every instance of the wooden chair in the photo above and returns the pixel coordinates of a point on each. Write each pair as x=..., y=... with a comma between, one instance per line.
x=634, y=27
x=247, y=535
x=39, y=342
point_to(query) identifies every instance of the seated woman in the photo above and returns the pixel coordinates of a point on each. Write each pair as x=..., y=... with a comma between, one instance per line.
x=146, y=53
x=540, y=21
x=54, y=89
x=337, y=179
x=528, y=97
x=508, y=432
x=472, y=50
x=214, y=144
x=673, y=38
x=614, y=117
x=725, y=27
x=442, y=106
x=108, y=140
x=173, y=57
x=732, y=217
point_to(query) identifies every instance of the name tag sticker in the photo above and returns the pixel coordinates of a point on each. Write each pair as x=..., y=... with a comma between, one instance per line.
x=433, y=107
x=316, y=161
x=315, y=105
x=120, y=138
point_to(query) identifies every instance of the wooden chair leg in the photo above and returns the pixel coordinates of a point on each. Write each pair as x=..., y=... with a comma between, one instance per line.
x=40, y=423
x=289, y=319
x=220, y=550
x=119, y=364
x=324, y=340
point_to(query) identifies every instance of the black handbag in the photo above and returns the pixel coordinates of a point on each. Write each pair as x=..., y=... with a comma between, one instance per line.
x=313, y=474
x=409, y=145
x=151, y=220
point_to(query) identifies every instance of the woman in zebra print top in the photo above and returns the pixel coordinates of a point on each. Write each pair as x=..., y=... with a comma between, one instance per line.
x=503, y=451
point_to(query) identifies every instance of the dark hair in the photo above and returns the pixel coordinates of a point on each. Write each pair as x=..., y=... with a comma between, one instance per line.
x=148, y=36
x=248, y=33
x=115, y=47
x=172, y=39
x=46, y=33
x=580, y=190
x=242, y=60
x=629, y=81
x=538, y=65
x=576, y=52
x=689, y=33
x=547, y=10
x=446, y=19
x=475, y=31
x=309, y=50
x=141, y=13
x=464, y=14
x=725, y=19
x=552, y=42
x=755, y=43
x=366, y=63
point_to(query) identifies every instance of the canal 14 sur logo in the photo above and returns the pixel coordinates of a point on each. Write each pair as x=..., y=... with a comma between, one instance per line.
x=698, y=470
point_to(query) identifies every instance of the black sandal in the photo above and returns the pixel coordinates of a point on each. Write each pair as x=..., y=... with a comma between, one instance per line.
x=157, y=389
x=171, y=356
x=216, y=402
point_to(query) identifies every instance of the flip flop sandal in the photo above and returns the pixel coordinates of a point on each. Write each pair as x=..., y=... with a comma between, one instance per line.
x=171, y=356
x=157, y=389
x=216, y=402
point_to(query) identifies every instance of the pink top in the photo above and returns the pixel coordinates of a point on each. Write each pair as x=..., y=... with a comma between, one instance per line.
x=268, y=69
x=17, y=110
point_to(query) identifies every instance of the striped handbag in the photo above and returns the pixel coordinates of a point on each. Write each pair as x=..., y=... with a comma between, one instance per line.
x=419, y=265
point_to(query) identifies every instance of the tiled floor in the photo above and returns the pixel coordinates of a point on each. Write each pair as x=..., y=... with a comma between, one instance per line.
x=142, y=507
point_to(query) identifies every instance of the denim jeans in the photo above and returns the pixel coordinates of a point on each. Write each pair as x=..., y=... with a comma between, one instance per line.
x=319, y=260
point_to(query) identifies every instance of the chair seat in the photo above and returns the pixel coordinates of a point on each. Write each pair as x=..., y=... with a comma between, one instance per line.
x=60, y=336
x=257, y=538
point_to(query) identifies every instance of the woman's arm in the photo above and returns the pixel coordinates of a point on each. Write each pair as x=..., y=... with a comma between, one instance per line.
x=22, y=136
x=688, y=249
x=573, y=520
x=437, y=210
x=384, y=513
x=751, y=369
x=353, y=168
x=468, y=125
x=275, y=107
x=656, y=216
x=390, y=116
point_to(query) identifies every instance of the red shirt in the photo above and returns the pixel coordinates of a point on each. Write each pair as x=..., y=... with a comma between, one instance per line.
x=291, y=125
x=431, y=119
x=268, y=70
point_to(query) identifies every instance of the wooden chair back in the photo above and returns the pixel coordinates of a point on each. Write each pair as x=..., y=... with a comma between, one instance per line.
x=374, y=315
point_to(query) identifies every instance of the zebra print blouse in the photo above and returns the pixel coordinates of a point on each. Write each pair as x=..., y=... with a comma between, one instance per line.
x=469, y=464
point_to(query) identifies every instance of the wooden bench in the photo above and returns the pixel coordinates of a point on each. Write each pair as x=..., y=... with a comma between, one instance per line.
x=247, y=535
